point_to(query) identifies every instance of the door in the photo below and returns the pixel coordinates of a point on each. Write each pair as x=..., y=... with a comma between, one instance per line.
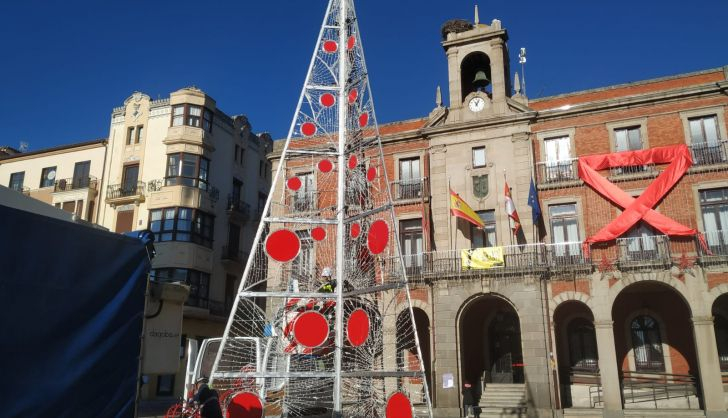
x=505, y=349
x=124, y=221
x=411, y=239
x=129, y=182
x=81, y=174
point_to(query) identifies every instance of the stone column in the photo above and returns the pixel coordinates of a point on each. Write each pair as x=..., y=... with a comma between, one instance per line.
x=608, y=369
x=453, y=67
x=497, y=70
x=711, y=382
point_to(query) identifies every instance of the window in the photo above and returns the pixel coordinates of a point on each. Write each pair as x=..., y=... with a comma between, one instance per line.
x=242, y=155
x=237, y=150
x=582, y=345
x=479, y=157
x=260, y=168
x=705, y=141
x=647, y=344
x=641, y=242
x=627, y=139
x=16, y=181
x=81, y=176
x=165, y=385
x=410, y=232
x=714, y=209
x=47, y=177
x=410, y=180
x=237, y=191
x=485, y=237
x=304, y=199
x=480, y=186
x=182, y=224
x=565, y=230
x=558, y=165
x=129, y=135
x=187, y=170
x=139, y=132
x=130, y=180
x=198, y=281
x=192, y=115
x=302, y=265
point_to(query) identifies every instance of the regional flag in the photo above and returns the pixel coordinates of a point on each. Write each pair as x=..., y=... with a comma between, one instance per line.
x=459, y=208
x=511, y=211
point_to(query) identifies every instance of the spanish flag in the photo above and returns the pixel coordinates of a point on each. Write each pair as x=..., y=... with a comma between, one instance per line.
x=459, y=208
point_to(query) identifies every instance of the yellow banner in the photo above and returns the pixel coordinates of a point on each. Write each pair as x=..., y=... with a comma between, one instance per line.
x=482, y=258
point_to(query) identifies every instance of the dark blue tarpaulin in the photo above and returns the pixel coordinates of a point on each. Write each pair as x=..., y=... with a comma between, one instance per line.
x=71, y=313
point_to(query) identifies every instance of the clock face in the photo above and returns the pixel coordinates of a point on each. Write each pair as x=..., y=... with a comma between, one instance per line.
x=476, y=104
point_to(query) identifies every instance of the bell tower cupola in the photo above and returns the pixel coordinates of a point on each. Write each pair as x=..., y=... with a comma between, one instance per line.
x=478, y=68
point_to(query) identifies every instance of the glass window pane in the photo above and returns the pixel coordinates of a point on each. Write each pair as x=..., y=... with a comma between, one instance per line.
x=195, y=110
x=620, y=136
x=635, y=143
x=696, y=131
x=711, y=130
x=478, y=157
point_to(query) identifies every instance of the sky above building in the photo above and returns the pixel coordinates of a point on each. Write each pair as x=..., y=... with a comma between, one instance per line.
x=67, y=64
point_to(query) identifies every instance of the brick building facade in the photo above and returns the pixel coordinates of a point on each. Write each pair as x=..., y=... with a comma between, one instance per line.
x=637, y=322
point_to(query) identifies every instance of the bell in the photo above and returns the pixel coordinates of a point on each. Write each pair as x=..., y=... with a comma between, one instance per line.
x=480, y=80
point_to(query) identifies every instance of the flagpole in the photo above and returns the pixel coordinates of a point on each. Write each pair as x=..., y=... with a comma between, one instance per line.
x=449, y=219
x=508, y=215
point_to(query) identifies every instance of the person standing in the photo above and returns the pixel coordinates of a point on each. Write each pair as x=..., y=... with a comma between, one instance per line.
x=207, y=399
x=468, y=399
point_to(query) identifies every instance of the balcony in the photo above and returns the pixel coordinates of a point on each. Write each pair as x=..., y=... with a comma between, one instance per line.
x=644, y=251
x=118, y=194
x=67, y=185
x=410, y=189
x=189, y=135
x=633, y=172
x=165, y=193
x=306, y=201
x=517, y=259
x=717, y=248
x=238, y=209
x=709, y=153
x=557, y=172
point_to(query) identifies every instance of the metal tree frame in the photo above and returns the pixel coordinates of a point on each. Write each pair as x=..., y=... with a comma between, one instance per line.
x=264, y=351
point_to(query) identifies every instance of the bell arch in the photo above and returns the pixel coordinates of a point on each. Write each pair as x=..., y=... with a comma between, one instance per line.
x=475, y=73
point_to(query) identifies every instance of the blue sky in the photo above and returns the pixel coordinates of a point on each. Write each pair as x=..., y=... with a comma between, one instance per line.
x=67, y=64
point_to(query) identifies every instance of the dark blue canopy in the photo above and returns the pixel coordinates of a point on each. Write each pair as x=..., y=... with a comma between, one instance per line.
x=71, y=314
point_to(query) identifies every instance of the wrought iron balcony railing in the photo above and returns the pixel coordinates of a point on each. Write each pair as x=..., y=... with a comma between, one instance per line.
x=234, y=204
x=117, y=191
x=304, y=201
x=709, y=153
x=557, y=171
x=648, y=249
x=65, y=185
x=410, y=189
x=717, y=243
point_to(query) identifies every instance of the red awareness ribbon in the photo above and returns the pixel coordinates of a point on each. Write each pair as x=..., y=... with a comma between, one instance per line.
x=677, y=156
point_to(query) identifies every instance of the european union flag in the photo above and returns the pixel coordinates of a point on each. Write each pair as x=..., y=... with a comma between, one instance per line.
x=533, y=202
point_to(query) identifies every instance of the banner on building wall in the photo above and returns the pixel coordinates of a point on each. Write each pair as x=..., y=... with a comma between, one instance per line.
x=635, y=209
x=482, y=258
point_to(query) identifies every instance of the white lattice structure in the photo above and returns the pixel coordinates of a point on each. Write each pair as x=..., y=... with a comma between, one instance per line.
x=330, y=338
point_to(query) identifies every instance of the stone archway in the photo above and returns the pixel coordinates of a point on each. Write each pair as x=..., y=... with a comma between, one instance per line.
x=490, y=342
x=576, y=352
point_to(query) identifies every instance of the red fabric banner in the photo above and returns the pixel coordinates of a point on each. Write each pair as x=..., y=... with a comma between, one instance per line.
x=640, y=208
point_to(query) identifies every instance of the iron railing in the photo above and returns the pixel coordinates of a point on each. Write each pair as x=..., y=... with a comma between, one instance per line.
x=410, y=189
x=651, y=386
x=155, y=185
x=557, y=171
x=116, y=191
x=717, y=243
x=630, y=171
x=75, y=183
x=708, y=153
x=234, y=204
x=648, y=249
x=304, y=201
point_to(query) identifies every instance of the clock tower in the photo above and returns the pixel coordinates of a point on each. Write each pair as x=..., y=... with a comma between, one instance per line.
x=478, y=69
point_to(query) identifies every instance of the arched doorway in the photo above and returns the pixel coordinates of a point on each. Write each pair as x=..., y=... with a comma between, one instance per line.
x=407, y=351
x=490, y=348
x=655, y=347
x=576, y=352
x=720, y=324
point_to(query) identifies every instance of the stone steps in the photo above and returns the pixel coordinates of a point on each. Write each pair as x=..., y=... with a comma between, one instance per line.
x=503, y=400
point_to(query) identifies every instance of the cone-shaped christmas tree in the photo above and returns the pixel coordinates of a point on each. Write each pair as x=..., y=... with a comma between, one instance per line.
x=322, y=323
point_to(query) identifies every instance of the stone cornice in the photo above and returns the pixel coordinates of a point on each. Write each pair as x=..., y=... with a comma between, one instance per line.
x=448, y=129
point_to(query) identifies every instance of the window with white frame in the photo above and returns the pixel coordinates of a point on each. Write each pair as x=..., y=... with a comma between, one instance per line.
x=705, y=141
x=410, y=179
x=714, y=209
x=478, y=157
x=627, y=139
x=565, y=230
x=558, y=165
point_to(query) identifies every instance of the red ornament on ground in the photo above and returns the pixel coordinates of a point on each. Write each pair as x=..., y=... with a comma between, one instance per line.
x=310, y=329
x=398, y=406
x=357, y=328
x=330, y=46
x=282, y=245
x=363, y=119
x=353, y=94
x=327, y=99
x=325, y=166
x=294, y=183
x=371, y=173
x=308, y=129
x=245, y=405
x=353, y=162
x=378, y=237
x=355, y=230
x=318, y=233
